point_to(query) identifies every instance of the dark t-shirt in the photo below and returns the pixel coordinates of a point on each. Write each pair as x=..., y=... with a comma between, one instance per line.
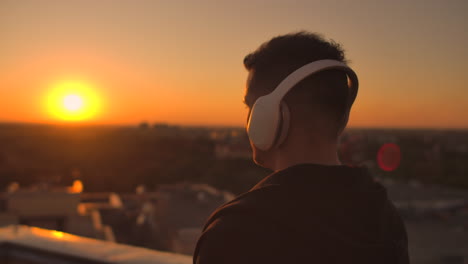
x=307, y=214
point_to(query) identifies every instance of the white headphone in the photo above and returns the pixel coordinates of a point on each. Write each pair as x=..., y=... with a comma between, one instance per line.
x=269, y=118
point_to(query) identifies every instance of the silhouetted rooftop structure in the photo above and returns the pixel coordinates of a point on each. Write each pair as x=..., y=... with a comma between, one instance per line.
x=31, y=245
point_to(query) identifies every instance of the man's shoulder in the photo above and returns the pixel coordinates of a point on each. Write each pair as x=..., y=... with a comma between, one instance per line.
x=251, y=204
x=235, y=230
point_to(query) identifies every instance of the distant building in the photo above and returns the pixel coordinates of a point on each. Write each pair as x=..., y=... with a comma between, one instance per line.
x=181, y=211
x=232, y=151
x=57, y=209
x=166, y=130
x=143, y=125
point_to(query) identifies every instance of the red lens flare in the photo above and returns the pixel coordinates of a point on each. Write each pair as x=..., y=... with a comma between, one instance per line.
x=389, y=157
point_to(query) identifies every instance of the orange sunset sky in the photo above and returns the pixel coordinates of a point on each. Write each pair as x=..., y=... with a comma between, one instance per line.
x=181, y=61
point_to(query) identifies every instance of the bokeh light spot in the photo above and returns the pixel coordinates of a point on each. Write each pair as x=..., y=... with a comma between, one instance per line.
x=389, y=157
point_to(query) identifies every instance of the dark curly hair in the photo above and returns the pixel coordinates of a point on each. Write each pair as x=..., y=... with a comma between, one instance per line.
x=294, y=49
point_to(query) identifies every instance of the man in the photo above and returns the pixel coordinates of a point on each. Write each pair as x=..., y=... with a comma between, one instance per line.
x=311, y=209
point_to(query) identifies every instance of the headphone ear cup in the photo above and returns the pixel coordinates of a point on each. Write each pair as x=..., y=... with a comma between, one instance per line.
x=264, y=123
x=283, y=128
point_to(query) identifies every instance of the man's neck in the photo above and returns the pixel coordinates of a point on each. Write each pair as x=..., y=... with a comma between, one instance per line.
x=322, y=154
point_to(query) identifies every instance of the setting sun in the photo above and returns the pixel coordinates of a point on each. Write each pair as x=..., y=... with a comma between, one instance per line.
x=73, y=101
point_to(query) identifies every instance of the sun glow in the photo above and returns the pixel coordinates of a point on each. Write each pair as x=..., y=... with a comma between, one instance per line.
x=73, y=101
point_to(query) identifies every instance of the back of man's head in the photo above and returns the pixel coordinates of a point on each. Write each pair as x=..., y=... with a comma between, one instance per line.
x=319, y=100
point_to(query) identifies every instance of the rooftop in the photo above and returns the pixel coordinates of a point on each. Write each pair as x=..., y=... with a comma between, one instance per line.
x=36, y=245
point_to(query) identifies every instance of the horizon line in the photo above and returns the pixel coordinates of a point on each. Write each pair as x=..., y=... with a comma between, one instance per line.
x=91, y=124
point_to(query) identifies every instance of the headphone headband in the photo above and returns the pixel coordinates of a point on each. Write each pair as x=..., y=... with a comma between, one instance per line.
x=265, y=114
x=309, y=69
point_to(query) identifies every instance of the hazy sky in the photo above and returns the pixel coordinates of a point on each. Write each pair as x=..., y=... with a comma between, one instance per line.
x=181, y=61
